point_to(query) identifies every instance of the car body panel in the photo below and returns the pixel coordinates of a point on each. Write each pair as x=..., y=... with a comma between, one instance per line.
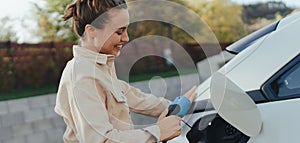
x=250, y=70
x=277, y=53
x=288, y=20
x=280, y=123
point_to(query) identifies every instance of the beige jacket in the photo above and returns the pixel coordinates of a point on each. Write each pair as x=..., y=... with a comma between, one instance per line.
x=95, y=105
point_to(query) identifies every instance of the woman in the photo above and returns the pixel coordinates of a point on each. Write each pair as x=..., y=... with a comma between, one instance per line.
x=93, y=102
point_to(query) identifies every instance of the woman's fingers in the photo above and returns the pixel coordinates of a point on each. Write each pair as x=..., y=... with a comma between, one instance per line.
x=163, y=115
x=170, y=127
x=191, y=94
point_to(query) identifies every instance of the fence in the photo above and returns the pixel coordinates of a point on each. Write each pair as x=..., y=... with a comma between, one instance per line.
x=36, y=65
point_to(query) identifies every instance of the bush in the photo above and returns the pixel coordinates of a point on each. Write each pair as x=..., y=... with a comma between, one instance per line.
x=31, y=66
x=6, y=74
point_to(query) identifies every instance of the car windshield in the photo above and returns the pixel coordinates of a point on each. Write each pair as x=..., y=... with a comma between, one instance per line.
x=245, y=42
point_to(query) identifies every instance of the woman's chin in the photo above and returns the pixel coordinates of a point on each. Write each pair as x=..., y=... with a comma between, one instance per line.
x=117, y=53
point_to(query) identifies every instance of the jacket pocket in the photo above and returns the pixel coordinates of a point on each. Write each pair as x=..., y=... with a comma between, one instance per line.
x=116, y=104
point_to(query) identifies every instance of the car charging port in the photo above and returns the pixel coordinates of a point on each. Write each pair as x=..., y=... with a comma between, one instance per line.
x=214, y=129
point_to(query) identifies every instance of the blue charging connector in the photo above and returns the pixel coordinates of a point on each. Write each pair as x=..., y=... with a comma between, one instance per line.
x=179, y=106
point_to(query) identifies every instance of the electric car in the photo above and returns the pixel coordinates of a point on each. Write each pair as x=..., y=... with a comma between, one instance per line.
x=255, y=97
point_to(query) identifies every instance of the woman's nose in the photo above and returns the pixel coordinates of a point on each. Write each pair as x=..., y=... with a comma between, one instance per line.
x=125, y=37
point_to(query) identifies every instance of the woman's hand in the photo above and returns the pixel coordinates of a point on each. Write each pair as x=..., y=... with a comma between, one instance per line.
x=191, y=94
x=169, y=127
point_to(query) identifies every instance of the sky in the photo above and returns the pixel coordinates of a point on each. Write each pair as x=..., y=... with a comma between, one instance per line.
x=21, y=11
x=15, y=8
x=10, y=8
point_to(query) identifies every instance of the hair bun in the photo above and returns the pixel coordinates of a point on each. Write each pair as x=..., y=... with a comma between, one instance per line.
x=70, y=11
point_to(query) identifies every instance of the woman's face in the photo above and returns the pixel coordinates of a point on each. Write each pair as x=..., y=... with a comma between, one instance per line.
x=111, y=39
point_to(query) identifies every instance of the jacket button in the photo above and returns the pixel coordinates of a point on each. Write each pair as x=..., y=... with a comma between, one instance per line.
x=123, y=98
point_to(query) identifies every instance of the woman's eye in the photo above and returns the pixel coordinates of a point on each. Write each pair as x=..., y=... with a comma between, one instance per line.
x=119, y=32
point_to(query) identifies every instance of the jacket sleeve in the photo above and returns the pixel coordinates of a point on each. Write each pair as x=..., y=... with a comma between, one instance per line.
x=92, y=120
x=143, y=103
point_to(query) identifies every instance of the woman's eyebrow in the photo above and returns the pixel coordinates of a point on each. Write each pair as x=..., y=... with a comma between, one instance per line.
x=123, y=28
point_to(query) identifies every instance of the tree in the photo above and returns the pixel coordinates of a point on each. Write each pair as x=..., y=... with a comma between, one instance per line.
x=223, y=17
x=51, y=26
x=6, y=31
x=267, y=10
x=258, y=15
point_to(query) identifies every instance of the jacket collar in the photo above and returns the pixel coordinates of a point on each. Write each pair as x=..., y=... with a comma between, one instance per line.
x=99, y=58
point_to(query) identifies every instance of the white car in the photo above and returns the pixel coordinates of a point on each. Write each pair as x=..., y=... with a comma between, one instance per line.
x=255, y=97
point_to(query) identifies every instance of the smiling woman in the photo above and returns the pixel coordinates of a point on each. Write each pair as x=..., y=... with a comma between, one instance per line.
x=94, y=103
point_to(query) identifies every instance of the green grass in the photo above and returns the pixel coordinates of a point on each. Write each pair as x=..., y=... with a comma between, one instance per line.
x=148, y=76
x=27, y=92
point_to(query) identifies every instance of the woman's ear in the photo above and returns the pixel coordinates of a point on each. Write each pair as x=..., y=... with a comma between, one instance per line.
x=90, y=30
